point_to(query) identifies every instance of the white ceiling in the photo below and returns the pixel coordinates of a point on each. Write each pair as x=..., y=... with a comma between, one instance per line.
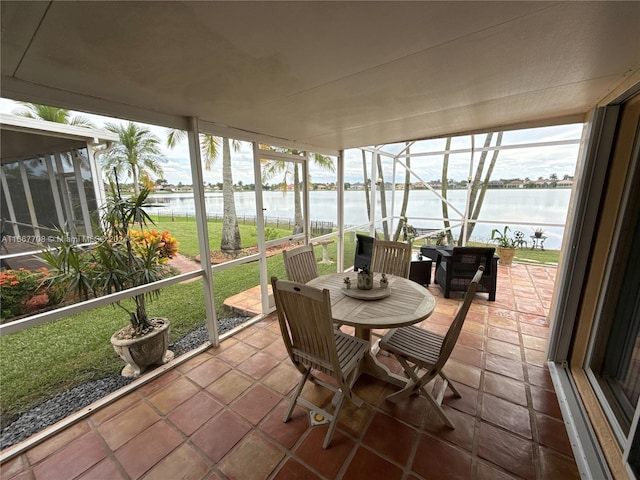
x=328, y=74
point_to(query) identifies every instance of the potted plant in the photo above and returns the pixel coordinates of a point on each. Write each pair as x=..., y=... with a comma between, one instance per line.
x=538, y=232
x=409, y=231
x=123, y=258
x=441, y=239
x=505, y=244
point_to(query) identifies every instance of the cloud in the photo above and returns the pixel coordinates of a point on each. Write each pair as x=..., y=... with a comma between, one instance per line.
x=530, y=162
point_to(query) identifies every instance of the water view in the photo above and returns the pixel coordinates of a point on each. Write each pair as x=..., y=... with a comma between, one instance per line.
x=530, y=207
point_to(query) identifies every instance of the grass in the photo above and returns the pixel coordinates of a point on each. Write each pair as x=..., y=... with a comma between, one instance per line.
x=184, y=229
x=543, y=257
x=526, y=255
x=39, y=362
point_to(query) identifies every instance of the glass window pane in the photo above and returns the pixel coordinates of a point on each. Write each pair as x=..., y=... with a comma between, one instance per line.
x=357, y=185
x=616, y=362
x=282, y=196
x=323, y=195
x=43, y=201
x=18, y=199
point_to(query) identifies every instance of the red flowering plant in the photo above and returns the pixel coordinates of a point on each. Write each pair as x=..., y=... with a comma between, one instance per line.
x=18, y=286
x=124, y=258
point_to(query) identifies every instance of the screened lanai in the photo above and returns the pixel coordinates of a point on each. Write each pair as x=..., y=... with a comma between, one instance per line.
x=51, y=183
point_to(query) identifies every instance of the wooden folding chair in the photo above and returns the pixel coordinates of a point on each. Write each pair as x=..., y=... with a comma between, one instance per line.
x=392, y=258
x=300, y=264
x=417, y=349
x=306, y=323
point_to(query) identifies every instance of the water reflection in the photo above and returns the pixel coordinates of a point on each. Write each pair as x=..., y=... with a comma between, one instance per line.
x=534, y=206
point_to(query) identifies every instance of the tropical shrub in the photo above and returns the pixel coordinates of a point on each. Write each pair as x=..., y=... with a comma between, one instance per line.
x=16, y=287
x=166, y=244
x=124, y=258
x=271, y=233
x=503, y=239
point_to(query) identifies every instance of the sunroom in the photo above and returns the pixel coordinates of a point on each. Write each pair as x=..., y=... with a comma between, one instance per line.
x=51, y=183
x=328, y=77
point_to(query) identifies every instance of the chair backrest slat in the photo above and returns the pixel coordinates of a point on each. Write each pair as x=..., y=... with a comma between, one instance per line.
x=300, y=264
x=393, y=258
x=306, y=325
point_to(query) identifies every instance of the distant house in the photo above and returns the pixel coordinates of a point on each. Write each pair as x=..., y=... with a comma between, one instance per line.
x=542, y=182
x=564, y=183
x=515, y=184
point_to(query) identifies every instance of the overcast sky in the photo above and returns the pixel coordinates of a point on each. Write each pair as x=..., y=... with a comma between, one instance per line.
x=517, y=163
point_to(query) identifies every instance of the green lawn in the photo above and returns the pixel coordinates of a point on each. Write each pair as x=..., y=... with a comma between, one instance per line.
x=543, y=257
x=39, y=362
x=184, y=229
x=526, y=255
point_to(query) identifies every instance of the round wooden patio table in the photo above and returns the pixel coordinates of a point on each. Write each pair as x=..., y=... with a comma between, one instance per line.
x=407, y=303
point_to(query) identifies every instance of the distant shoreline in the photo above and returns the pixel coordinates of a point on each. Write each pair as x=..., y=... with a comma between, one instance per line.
x=209, y=190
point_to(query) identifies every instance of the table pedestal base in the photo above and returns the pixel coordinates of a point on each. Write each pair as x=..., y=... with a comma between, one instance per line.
x=371, y=365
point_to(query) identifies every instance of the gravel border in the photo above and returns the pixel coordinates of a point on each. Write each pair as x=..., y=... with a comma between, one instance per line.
x=64, y=404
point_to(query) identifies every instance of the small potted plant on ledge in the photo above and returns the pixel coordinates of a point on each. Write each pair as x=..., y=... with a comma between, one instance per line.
x=538, y=232
x=505, y=245
x=123, y=258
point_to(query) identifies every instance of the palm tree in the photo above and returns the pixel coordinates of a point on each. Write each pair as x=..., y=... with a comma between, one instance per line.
x=56, y=115
x=405, y=195
x=137, y=153
x=52, y=114
x=478, y=186
x=383, y=197
x=231, y=241
x=288, y=169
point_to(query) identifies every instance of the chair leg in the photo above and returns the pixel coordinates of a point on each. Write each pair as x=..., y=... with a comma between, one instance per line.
x=449, y=384
x=414, y=384
x=418, y=385
x=437, y=407
x=296, y=394
x=339, y=401
x=351, y=381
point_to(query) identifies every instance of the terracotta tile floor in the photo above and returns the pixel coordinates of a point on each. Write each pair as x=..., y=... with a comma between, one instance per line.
x=219, y=415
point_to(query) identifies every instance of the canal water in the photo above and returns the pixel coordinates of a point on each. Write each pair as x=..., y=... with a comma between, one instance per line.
x=521, y=209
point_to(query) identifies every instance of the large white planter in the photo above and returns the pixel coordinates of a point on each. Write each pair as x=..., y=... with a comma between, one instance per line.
x=145, y=351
